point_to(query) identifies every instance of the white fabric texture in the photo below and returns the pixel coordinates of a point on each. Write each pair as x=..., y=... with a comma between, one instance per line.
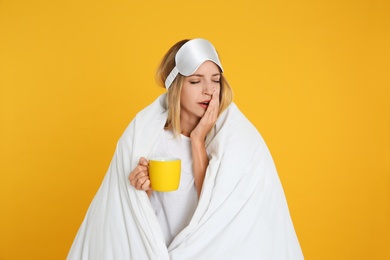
x=242, y=212
x=174, y=209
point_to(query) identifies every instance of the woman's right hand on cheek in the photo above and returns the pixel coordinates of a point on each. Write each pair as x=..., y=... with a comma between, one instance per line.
x=208, y=120
x=139, y=177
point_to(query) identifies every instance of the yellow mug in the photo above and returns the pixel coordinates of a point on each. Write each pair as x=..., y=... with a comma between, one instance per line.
x=164, y=173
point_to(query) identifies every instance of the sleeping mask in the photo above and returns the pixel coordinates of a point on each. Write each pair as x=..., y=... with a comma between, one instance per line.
x=189, y=58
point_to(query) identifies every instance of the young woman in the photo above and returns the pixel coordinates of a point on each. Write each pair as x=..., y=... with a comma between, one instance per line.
x=193, y=108
x=230, y=203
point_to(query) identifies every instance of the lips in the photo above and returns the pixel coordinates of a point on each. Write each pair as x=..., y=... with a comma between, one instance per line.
x=204, y=104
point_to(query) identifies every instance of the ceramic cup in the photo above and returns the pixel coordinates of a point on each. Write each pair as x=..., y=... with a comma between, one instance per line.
x=164, y=173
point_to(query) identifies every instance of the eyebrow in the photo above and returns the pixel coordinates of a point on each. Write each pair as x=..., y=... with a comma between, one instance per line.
x=201, y=75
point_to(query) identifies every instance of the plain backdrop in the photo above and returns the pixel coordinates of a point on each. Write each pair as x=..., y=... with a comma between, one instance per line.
x=312, y=76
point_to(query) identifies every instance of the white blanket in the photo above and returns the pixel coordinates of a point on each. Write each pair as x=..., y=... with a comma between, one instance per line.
x=242, y=212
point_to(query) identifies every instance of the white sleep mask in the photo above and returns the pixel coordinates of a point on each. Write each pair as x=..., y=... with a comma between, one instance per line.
x=190, y=56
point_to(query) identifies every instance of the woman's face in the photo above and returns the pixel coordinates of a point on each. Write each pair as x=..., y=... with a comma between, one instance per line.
x=197, y=90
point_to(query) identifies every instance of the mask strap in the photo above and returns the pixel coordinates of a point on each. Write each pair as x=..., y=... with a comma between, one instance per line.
x=171, y=77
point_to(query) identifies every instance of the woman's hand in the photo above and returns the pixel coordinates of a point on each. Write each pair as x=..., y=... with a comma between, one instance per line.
x=198, y=136
x=208, y=120
x=139, y=177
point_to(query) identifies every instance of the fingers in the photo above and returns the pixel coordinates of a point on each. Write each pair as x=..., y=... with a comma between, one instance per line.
x=139, y=177
x=208, y=119
x=143, y=183
x=143, y=161
x=146, y=185
x=142, y=166
x=140, y=169
x=216, y=95
x=212, y=110
x=139, y=172
x=214, y=103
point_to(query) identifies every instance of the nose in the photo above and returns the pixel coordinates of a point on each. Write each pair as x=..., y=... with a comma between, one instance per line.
x=208, y=88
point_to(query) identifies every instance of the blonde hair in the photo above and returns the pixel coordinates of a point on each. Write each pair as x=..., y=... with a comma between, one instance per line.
x=174, y=91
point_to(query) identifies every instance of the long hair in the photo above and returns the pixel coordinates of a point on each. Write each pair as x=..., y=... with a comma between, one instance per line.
x=174, y=91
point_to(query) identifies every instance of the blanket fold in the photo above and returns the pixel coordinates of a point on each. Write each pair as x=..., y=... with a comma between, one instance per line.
x=242, y=211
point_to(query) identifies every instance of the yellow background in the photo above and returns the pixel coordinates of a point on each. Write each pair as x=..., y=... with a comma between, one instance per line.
x=313, y=76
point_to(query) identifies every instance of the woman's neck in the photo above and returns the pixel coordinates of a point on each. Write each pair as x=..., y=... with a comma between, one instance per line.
x=187, y=125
